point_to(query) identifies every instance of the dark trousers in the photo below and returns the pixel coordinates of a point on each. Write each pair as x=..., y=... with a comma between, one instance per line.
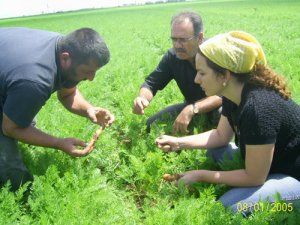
x=171, y=112
x=12, y=167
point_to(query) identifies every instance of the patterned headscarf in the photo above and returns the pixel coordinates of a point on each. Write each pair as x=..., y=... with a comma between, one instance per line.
x=236, y=51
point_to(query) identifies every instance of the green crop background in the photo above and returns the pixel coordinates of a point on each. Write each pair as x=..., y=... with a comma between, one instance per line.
x=120, y=181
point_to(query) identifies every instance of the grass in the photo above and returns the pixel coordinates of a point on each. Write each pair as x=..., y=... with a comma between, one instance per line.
x=120, y=182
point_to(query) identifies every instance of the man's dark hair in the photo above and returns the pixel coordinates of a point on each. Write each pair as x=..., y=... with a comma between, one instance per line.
x=193, y=17
x=83, y=45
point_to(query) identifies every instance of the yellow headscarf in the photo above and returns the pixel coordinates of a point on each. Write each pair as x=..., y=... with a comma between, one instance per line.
x=236, y=51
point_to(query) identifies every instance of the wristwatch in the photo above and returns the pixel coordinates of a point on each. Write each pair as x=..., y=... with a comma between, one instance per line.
x=195, y=109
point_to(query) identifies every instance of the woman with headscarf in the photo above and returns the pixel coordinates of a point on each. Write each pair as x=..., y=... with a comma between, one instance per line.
x=258, y=110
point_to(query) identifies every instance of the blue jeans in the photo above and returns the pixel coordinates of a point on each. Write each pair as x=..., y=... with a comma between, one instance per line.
x=245, y=199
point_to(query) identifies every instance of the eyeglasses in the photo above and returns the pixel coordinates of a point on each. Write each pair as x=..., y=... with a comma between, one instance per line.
x=181, y=40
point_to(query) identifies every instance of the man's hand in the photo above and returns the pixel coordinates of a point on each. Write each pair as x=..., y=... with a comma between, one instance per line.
x=167, y=143
x=100, y=116
x=69, y=146
x=139, y=104
x=183, y=120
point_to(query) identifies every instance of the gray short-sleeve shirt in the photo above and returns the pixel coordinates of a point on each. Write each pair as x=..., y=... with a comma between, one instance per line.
x=28, y=72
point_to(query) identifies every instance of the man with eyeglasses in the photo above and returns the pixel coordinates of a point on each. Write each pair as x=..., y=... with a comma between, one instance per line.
x=179, y=64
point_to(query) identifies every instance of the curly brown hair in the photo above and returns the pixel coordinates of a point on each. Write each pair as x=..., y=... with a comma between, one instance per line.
x=264, y=76
x=261, y=75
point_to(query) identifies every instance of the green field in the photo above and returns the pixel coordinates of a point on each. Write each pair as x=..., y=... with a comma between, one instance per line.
x=120, y=182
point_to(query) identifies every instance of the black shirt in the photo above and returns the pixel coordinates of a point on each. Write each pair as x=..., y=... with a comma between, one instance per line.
x=28, y=72
x=264, y=117
x=182, y=71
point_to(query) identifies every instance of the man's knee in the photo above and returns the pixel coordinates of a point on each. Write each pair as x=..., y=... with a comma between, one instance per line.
x=34, y=122
x=169, y=113
x=216, y=154
x=221, y=153
x=213, y=117
x=149, y=121
x=148, y=124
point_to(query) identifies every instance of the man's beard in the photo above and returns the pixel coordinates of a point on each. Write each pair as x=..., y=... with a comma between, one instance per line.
x=67, y=78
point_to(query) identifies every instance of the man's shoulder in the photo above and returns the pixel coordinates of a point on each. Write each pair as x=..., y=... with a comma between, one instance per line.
x=32, y=73
x=171, y=53
x=28, y=54
x=170, y=56
x=25, y=30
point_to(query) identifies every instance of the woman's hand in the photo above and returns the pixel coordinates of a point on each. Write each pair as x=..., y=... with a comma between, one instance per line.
x=188, y=178
x=167, y=143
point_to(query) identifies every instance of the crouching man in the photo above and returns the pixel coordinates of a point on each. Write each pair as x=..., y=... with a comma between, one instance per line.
x=33, y=65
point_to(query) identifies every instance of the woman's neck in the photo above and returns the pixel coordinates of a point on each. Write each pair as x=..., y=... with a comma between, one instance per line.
x=233, y=91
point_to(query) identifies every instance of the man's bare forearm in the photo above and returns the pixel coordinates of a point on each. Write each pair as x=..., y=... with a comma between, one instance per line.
x=209, y=103
x=33, y=136
x=75, y=102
